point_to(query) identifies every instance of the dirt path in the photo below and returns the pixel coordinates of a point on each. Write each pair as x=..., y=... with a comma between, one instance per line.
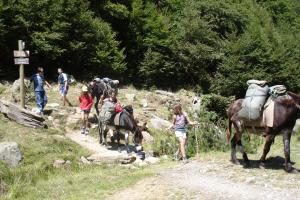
x=215, y=180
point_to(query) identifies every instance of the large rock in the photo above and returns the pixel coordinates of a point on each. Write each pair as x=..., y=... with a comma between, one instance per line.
x=159, y=123
x=165, y=93
x=10, y=153
x=152, y=160
x=130, y=97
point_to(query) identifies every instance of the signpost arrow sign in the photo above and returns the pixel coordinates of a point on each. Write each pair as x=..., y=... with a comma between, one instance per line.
x=21, y=61
x=21, y=54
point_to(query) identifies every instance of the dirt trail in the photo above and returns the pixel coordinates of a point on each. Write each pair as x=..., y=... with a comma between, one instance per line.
x=215, y=180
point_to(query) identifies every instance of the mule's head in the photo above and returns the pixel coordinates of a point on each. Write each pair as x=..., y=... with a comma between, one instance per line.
x=138, y=135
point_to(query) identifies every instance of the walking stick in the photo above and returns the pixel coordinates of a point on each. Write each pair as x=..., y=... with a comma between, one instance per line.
x=197, y=145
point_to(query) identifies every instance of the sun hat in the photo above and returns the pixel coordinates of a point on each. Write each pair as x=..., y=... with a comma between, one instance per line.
x=84, y=89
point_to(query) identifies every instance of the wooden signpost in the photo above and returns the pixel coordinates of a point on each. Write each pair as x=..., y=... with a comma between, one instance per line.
x=21, y=58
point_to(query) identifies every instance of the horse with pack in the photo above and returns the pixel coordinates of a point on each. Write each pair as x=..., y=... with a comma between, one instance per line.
x=101, y=88
x=269, y=111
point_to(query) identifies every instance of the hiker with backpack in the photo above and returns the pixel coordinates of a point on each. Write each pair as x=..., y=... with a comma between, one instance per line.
x=64, y=82
x=86, y=102
x=180, y=120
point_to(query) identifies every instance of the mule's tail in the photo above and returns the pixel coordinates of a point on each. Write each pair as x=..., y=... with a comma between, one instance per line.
x=228, y=134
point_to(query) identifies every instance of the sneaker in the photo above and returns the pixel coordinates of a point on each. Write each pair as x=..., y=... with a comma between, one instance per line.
x=83, y=131
x=87, y=131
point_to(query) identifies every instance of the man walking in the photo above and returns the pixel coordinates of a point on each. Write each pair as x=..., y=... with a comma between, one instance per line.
x=39, y=81
x=63, y=82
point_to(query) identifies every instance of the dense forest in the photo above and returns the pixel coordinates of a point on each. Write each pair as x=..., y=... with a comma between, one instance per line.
x=209, y=45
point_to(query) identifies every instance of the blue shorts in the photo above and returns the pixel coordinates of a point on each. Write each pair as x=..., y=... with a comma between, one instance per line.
x=63, y=91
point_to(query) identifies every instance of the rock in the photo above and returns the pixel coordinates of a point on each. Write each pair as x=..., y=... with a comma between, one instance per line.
x=84, y=160
x=149, y=154
x=138, y=162
x=10, y=153
x=158, y=123
x=144, y=103
x=149, y=109
x=58, y=163
x=250, y=180
x=60, y=137
x=147, y=137
x=50, y=118
x=130, y=97
x=165, y=93
x=35, y=110
x=53, y=105
x=152, y=160
x=128, y=160
x=142, y=164
x=165, y=157
x=67, y=163
x=108, y=157
x=56, y=123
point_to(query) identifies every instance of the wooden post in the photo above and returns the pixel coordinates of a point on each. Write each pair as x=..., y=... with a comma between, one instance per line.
x=22, y=91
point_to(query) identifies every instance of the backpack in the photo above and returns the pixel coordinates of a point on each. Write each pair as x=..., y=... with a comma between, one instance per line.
x=107, y=112
x=118, y=108
x=277, y=90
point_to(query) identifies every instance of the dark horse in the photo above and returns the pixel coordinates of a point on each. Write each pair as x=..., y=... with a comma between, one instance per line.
x=98, y=89
x=286, y=112
x=127, y=124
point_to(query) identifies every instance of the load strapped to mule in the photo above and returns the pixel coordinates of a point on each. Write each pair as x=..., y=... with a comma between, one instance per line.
x=255, y=98
x=259, y=100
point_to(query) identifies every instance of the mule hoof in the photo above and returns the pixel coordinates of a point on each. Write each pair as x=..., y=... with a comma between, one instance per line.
x=236, y=162
x=262, y=165
x=288, y=168
x=247, y=164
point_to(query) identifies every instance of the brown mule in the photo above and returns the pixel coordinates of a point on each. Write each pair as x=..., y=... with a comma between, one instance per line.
x=286, y=112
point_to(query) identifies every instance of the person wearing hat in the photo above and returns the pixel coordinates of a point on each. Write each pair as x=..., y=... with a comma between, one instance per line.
x=86, y=103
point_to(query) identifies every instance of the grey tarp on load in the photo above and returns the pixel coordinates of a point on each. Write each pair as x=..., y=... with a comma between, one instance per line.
x=107, y=112
x=253, y=103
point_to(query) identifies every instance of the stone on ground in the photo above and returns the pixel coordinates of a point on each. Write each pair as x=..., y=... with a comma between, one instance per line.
x=10, y=153
x=130, y=97
x=61, y=163
x=152, y=160
x=165, y=93
x=158, y=123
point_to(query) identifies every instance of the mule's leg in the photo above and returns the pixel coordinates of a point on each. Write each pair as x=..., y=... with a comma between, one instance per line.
x=286, y=141
x=241, y=149
x=127, y=141
x=96, y=105
x=105, y=134
x=236, y=138
x=100, y=129
x=233, y=151
x=268, y=143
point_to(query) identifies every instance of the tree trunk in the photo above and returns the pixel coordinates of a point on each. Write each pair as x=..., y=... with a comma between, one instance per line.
x=21, y=115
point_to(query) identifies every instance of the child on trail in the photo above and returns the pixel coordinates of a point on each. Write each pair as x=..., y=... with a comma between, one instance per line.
x=86, y=103
x=180, y=120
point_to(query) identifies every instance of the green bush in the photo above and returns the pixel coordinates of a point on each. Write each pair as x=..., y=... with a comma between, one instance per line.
x=164, y=143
